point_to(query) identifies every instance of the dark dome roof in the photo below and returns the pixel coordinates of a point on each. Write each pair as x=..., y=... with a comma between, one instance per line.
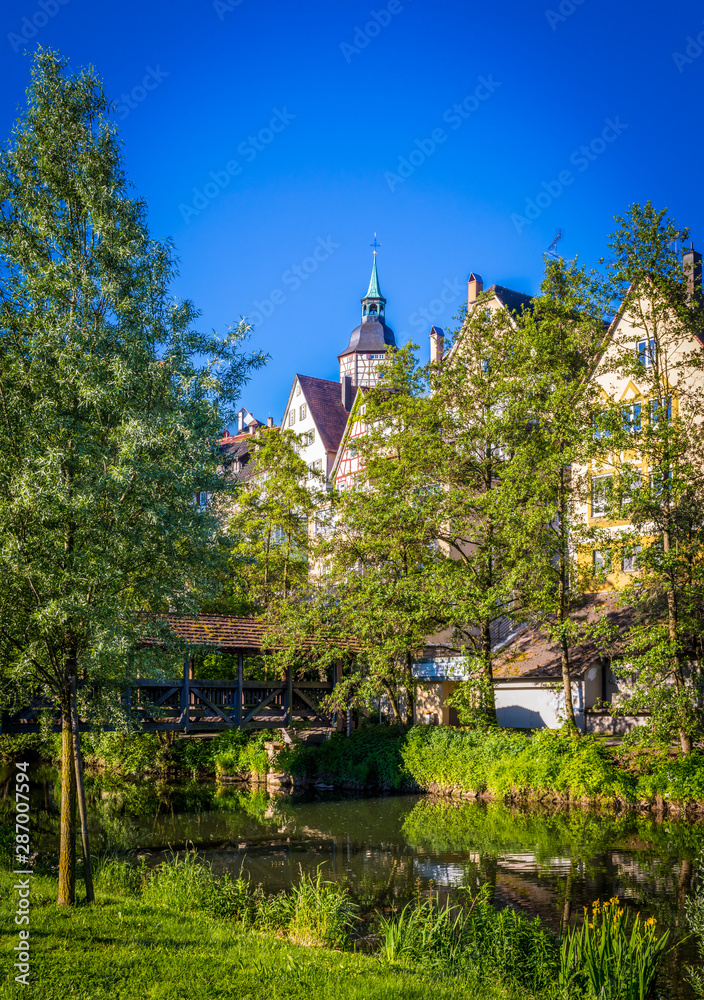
x=372, y=336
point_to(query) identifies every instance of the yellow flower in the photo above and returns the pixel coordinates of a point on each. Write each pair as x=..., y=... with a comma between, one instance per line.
x=650, y=922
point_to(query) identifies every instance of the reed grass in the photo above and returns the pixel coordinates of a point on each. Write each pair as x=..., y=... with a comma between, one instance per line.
x=613, y=955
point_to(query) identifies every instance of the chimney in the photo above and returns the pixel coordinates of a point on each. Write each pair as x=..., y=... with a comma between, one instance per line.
x=347, y=392
x=240, y=421
x=270, y=421
x=475, y=286
x=692, y=267
x=437, y=344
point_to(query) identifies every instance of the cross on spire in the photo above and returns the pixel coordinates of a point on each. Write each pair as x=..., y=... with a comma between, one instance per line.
x=375, y=244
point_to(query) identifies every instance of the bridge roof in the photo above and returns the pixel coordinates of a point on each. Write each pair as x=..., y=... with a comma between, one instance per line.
x=228, y=633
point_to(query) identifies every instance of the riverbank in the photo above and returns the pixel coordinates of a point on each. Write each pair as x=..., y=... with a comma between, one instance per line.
x=179, y=931
x=127, y=949
x=551, y=766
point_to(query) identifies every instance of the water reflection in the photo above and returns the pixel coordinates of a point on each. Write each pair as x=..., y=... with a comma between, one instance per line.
x=547, y=863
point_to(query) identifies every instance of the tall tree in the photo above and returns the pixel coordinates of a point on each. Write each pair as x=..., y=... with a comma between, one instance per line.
x=554, y=407
x=376, y=581
x=109, y=418
x=269, y=525
x=658, y=462
x=471, y=392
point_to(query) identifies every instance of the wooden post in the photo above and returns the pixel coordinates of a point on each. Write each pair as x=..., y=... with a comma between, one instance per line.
x=289, y=695
x=239, y=709
x=186, y=692
x=339, y=724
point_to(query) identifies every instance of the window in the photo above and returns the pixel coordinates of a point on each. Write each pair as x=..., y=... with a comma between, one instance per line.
x=629, y=562
x=307, y=439
x=315, y=467
x=601, y=494
x=631, y=418
x=302, y=411
x=202, y=499
x=376, y=357
x=602, y=562
x=647, y=353
x=292, y=416
x=656, y=410
x=298, y=388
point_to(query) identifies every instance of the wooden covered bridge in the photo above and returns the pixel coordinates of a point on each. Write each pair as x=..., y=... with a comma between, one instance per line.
x=188, y=704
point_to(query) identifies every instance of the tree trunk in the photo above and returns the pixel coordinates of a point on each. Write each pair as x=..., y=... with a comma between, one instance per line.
x=392, y=699
x=487, y=679
x=567, y=685
x=678, y=670
x=67, y=822
x=563, y=598
x=81, y=793
x=410, y=695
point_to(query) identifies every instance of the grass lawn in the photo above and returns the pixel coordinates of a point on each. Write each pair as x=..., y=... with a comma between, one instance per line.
x=124, y=948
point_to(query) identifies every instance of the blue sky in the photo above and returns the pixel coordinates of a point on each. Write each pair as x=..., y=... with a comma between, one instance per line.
x=271, y=141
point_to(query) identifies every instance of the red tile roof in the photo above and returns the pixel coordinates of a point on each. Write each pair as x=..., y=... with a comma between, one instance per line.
x=226, y=633
x=324, y=398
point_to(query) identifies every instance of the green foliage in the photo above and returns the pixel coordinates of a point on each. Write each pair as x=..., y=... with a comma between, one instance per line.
x=16, y=746
x=602, y=957
x=370, y=756
x=677, y=778
x=501, y=762
x=503, y=942
x=125, y=949
x=695, y=919
x=240, y=753
x=187, y=883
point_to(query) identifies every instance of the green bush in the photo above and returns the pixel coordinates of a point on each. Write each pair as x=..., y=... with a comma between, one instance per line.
x=676, y=779
x=369, y=756
x=239, y=753
x=500, y=761
x=15, y=746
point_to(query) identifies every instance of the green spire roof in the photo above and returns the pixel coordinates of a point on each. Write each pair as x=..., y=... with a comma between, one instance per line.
x=374, y=291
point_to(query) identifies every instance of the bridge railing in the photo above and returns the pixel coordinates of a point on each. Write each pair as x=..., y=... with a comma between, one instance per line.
x=192, y=705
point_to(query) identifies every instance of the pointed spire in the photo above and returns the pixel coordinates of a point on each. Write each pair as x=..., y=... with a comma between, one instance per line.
x=373, y=303
x=373, y=292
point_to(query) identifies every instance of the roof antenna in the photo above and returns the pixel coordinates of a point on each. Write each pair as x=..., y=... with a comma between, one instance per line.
x=552, y=249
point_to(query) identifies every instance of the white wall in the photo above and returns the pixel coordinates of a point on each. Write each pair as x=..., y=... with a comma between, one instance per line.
x=532, y=706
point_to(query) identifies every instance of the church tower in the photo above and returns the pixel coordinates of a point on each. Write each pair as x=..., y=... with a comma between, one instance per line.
x=370, y=341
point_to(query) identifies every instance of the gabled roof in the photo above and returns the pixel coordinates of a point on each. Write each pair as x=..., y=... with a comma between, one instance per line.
x=532, y=656
x=324, y=399
x=511, y=300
